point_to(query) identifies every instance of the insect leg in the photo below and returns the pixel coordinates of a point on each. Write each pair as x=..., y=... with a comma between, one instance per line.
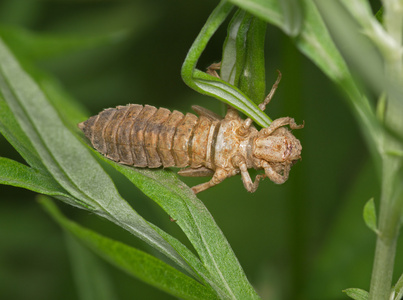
x=212, y=69
x=218, y=177
x=268, y=98
x=198, y=172
x=280, y=123
x=275, y=176
x=248, y=122
x=247, y=181
x=201, y=111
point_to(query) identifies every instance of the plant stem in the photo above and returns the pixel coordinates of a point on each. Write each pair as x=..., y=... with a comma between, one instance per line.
x=389, y=223
x=391, y=204
x=391, y=199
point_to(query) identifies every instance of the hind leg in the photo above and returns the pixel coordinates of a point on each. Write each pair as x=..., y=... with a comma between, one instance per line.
x=268, y=98
x=212, y=69
x=248, y=121
x=218, y=177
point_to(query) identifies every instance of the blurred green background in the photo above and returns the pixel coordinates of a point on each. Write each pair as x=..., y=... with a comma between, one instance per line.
x=305, y=239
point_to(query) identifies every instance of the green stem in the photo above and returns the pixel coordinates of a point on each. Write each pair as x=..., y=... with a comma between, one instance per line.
x=391, y=200
x=391, y=203
x=391, y=197
x=389, y=223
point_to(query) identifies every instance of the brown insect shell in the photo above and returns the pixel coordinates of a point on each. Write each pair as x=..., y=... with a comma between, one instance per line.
x=229, y=144
x=279, y=147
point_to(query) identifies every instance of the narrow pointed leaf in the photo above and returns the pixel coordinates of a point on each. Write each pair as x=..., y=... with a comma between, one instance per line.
x=243, y=55
x=117, y=208
x=315, y=42
x=210, y=85
x=135, y=262
x=292, y=12
x=399, y=288
x=195, y=220
x=357, y=294
x=92, y=280
x=268, y=10
x=253, y=76
x=370, y=215
x=231, y=95
x=379, y=15
x=11, y=130
x=72, y=112
x=234, y=50
x=38, y=46
x=19, y=175
x=66, y=158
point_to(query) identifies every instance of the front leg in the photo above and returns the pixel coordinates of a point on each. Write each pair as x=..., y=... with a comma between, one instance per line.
x=280, y=123
x=275, y=176
x=213, y=68
x=239, y=162
x=248, y=122
x=268, y=98
x=247, y=181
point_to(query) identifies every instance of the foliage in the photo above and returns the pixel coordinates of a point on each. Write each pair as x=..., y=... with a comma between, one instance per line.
x=39, y=120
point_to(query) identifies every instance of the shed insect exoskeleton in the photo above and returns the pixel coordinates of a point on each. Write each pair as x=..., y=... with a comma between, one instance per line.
x=144, y=136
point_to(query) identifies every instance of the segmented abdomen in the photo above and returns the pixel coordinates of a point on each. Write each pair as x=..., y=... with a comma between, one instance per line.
x=144, y=136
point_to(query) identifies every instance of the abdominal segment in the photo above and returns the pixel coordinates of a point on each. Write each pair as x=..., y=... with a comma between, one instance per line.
x=144, y=136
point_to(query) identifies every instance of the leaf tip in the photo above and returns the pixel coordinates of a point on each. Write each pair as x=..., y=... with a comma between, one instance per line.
x=356, y=294
x=369, y=215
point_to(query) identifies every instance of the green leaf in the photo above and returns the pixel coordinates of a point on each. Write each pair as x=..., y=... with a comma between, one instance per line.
x=253, y=77
x=72, y=112
x=267, y=10
x=16, y=174
x=381, y=108
x=86, y=29
x=293, y=16
x=66, y=158
x=135, y=262
x=13, y=133
x=357, y=294
x=316, y=43
x=234, y=50
x=243, y=55
x=157, y=184
x=395, y=153
x=224, y=271
x=42, y=46
x=346, y=31
x=379, y=15
x=370, y=215
x=92, y=281
x=313, y=40
x=81, y=175
x=219, y=89
x=210, y=85
x=398, y=288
